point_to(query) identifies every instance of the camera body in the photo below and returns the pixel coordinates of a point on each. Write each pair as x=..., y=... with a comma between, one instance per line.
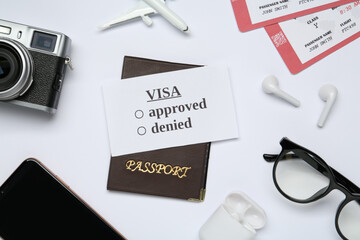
x=33, y=64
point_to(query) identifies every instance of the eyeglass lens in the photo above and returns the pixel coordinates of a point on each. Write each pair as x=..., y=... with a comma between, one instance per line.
x=299, y=180
x=349, y=220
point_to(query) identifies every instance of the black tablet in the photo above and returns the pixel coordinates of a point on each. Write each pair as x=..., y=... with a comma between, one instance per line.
x=35, y=204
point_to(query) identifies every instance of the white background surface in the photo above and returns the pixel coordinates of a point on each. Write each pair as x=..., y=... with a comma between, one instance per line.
x=74, y=143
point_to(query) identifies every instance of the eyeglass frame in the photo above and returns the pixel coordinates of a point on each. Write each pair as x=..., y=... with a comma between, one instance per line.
x=336, y=179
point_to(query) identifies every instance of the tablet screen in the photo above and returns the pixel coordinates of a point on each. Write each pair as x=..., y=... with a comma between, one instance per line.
x=35, y=205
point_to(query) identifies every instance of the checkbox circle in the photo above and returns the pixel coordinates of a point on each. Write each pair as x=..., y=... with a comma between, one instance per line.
x=141, y=131
x=139, y=114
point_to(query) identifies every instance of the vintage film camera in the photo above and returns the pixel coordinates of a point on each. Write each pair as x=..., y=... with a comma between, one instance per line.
x=33, y=64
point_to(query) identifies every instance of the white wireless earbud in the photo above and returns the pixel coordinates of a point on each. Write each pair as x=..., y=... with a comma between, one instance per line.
x=271, y=85
x=327, y=93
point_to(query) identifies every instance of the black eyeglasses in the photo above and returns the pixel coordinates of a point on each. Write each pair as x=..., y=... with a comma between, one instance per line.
x=303, y=177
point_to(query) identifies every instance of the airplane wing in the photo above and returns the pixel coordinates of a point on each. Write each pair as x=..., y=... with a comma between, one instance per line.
x=142, y=10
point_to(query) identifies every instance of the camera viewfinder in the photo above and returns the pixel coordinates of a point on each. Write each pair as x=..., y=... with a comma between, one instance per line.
x=44, y=41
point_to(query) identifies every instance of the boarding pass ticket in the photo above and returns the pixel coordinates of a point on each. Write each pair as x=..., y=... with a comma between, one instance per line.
x=303, y=41
x=251, y=14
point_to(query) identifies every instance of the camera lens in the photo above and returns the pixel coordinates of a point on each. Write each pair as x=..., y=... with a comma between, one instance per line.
x=16, y=69
x=4, y=67
x=10, y=66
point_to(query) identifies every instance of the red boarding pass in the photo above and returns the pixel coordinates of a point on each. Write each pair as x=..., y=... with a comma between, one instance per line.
x=251, y=14
x=303, y=41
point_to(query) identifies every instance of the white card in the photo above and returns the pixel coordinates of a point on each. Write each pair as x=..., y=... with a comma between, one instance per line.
x=169, y=109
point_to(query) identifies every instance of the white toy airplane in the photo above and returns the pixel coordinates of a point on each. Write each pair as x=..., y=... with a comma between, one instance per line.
x=148, y=7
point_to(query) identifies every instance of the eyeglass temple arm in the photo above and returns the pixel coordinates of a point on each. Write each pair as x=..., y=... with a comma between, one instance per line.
x=339, y=177
x=273, y=157
x=270, y=157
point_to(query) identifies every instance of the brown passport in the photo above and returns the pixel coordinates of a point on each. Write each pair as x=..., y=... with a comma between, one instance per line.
x=178, y=172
